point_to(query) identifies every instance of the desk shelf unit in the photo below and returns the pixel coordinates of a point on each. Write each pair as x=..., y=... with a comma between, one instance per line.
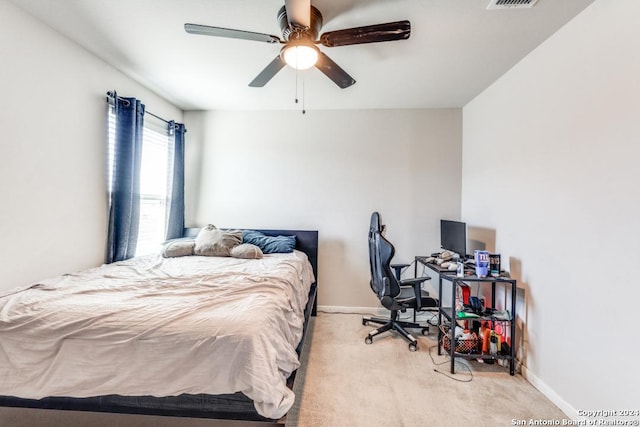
x=450, y=314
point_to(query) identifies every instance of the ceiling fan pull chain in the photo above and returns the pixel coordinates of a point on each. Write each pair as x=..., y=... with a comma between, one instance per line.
x=303, y=110
x=296, y=98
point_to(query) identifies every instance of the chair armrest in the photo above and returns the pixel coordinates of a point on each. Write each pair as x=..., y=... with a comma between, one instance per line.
x=399, y=265
x=415, y=280
x=398, y=269
x=417, y=288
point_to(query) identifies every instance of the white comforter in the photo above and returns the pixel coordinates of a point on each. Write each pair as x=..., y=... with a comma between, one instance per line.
x=160, y=327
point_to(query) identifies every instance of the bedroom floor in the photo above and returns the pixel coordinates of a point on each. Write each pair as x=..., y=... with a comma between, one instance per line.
x=349, y=383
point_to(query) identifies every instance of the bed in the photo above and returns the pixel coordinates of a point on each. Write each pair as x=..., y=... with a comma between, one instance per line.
x=237, y=324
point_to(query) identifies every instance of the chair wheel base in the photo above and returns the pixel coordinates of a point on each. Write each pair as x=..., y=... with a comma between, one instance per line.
x=394, y=325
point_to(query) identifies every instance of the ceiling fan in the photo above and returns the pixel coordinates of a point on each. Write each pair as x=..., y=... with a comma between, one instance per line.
x=300, y=23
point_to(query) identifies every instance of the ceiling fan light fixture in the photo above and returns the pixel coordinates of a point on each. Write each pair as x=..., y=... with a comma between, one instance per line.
x=300, y=56
x=300, y=23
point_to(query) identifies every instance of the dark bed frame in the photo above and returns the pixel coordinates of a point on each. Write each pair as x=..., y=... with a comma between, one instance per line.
x=224, y=407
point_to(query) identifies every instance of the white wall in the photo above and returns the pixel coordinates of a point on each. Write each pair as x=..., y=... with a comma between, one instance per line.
x=52, y=150
x=550, y=163
x=328, y=170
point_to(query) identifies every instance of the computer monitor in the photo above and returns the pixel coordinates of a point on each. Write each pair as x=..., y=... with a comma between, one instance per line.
x=453, y=236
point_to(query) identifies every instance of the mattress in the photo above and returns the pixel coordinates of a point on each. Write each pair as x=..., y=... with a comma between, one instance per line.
x=154, y=326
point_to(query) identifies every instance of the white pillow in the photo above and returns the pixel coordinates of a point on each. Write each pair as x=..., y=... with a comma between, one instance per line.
x=246, y=251
x=178, y=247
x=213, y=242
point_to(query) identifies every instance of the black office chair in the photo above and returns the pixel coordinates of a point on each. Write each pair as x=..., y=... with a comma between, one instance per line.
x=395, y=295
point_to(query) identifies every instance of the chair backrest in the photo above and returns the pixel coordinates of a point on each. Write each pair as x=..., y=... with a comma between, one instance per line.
x=374, y=227
x=381, y=251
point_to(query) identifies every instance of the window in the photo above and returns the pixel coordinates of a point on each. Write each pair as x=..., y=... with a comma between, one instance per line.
x=155, y=181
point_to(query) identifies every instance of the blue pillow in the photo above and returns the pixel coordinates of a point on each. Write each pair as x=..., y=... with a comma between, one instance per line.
x=269, y=244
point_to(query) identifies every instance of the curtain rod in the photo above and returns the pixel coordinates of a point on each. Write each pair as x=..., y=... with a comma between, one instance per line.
x=112, y=95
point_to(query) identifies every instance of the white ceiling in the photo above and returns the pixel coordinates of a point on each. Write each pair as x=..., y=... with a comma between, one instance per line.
x=457, y=48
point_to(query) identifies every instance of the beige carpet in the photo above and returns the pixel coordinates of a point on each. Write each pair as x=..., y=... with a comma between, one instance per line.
x=349, y=383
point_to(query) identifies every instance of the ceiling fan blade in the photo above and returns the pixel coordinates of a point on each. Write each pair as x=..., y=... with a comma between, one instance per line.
x=268, y=73
x=298, y=13
x=206, y=30
x=333, y=71
x=390, y=31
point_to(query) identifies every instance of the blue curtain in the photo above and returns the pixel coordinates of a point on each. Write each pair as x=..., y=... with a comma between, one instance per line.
x=124, y=209
x=175, y=224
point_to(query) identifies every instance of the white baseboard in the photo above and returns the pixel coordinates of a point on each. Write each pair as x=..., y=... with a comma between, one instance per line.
x=373, y=311
x=549, y=393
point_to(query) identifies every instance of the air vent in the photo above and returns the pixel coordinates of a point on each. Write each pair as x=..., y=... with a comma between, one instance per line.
x=511, y=4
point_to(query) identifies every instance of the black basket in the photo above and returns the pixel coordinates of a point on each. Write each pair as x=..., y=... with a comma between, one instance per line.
x=467, y=345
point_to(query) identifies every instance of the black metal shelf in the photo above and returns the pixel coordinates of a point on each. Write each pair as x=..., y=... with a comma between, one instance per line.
x=450, y=314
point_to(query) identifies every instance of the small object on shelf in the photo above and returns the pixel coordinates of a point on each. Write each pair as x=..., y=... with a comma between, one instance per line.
x=482, y=263
x=505, y=349
x=459, y=306
x=449, y=265
x=446, y=255
x=466, y=315
x=493, y=344
x=465, y=290
x=458, y=332
x=501, y=315
x=494, y=264
x=476, y=305
x=497, y=328
x=486, y=336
